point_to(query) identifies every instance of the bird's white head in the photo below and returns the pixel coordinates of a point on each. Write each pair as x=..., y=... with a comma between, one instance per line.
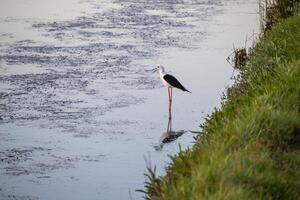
x=159, y=68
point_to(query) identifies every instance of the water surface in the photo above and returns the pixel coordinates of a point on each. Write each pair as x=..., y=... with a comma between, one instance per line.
x=80, y=110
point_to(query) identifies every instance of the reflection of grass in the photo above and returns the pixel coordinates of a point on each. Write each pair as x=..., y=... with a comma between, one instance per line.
x=250, y=148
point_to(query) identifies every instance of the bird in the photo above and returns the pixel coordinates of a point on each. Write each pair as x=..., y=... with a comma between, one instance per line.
x=170, y=82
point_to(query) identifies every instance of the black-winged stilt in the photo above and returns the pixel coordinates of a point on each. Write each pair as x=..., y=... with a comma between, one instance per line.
x=170, y=82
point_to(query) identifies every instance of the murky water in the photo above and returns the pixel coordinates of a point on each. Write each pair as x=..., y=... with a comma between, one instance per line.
x=79, y=109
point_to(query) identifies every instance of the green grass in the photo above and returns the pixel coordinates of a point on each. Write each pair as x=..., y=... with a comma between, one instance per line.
x=250, y=147
x=277, y=10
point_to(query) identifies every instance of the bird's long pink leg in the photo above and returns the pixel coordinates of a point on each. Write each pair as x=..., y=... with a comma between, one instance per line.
x=171, y=96
x=170, y=102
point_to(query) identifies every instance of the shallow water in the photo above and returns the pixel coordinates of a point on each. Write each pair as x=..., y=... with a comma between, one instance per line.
x=79, y=110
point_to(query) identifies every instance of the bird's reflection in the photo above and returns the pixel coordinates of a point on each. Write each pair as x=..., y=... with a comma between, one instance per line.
x=168, y=136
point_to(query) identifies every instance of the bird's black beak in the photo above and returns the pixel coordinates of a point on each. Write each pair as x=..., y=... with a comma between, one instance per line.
x=154, y=70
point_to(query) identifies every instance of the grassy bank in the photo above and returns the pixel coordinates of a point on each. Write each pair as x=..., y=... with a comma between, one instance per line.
x=250, y=147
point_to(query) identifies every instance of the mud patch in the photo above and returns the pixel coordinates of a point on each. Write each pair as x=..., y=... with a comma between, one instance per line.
x=18, y=197
x=39, y=161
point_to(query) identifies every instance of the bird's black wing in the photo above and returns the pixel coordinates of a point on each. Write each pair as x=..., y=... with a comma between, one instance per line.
x=174, y=82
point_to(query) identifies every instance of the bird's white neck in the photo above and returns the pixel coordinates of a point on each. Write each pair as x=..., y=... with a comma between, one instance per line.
x=162, y=70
